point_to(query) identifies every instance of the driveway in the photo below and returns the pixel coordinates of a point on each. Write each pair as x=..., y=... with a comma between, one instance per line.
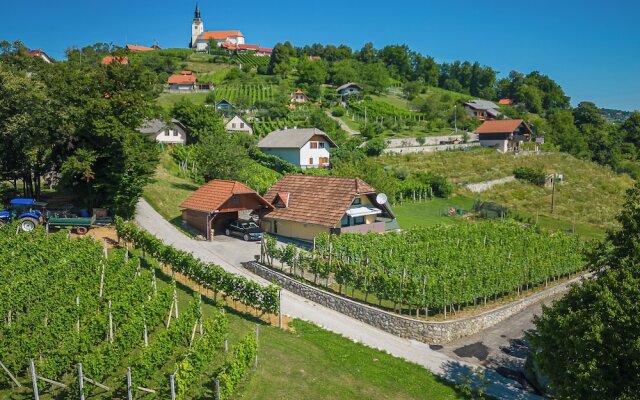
x=229, y=252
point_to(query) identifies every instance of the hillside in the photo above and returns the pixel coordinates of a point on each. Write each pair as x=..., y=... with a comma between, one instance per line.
x=591, y=194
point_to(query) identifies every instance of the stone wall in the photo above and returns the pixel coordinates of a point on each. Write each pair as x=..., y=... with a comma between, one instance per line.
x=403, y=326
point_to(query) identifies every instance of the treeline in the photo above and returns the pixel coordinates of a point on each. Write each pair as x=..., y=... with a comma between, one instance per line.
x=76, y=123
x=376, y=69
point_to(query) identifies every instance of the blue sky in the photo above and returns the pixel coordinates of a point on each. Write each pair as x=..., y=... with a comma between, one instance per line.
x=591, y=48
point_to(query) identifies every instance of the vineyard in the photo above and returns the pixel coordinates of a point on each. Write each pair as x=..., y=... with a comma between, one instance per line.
x=252, y=60
x=247, y=93
x=378, y=111
x=268, y=125
x=437, y=269
x=78, y=319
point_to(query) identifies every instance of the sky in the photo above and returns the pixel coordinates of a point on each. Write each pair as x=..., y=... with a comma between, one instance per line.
x=591, y=48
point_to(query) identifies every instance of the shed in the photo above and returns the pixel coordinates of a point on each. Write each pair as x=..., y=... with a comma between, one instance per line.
x=219, y=202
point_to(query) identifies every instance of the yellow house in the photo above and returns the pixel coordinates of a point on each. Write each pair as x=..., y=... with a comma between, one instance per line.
x=305, y=206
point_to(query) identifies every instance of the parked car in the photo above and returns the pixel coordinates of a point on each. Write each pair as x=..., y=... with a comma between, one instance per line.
x=247, y=230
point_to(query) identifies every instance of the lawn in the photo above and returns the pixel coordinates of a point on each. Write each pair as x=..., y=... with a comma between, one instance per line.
x=430, y=212
x=168, y=100
x=591, y=195
x=312, y=363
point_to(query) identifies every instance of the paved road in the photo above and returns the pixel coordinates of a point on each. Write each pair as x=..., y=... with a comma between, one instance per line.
x=229, y=253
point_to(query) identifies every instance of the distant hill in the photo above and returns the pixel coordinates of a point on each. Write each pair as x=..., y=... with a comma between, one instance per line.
x=615, y=116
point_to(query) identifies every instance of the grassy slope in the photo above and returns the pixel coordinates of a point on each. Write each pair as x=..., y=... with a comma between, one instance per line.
x=429, y=212
x=592, y=194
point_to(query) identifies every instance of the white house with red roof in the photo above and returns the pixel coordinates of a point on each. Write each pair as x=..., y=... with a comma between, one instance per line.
x=200, y=38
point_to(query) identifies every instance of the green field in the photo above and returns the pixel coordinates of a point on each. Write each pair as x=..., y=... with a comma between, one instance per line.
x=429, y=212
x=168, y=100
x=591, y=195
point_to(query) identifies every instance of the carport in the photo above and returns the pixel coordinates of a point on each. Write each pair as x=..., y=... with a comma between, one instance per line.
x=218, y=202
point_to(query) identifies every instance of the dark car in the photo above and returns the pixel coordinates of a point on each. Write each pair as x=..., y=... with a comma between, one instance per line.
x=248, y=230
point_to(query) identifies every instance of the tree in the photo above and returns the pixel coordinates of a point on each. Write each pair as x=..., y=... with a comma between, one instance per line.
x=312, y=72
x=280, y=62
x=200, y=120
x=588, y=343
x=375, y=77
x=587, y=113
x=631, y=129
x=367, y=54
x=343, y=71
x=220, y=158
x=397, y=58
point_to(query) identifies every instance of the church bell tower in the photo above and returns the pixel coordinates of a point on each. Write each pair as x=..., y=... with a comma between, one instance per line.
x=197, y=27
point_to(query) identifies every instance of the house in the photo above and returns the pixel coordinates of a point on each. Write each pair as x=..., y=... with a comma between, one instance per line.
x=299, y=97
x=264, y=52
x=482, y=109
x=135, y=48
x=200, y=39
x=122, y=60
x=245, y=48
x=505, y=102
x=40, y=54
x=238, y=124
x=349, y=88
x=182, y=82
x=224, y=105
x=306, y=148
x=219, y=202
x=306, y=205
x=504, y=135
x=163, y=132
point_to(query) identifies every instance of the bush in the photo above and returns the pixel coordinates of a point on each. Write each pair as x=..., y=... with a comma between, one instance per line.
x=439, y=184
x=337, y=112
x=535, y=176
x=375, y=147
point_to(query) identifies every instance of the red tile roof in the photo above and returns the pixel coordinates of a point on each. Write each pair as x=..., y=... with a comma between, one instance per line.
x=219, y=35
x=181, y=80
x=505, y=102
x=135, y=47
x=318, y=200
x=267, y=50
x=115, y=59
x=186, y=72
x=213, y=194
x=499, y=126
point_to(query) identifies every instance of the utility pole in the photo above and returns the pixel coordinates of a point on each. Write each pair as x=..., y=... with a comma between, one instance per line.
x=553, y=193
x=455, y=117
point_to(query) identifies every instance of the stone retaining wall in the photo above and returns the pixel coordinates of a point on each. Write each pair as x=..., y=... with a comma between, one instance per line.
x=403, y=326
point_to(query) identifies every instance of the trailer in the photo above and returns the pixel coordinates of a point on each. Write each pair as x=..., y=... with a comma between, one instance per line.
x=80, y=224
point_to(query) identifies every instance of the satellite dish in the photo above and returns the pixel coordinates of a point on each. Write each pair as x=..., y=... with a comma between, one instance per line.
x=381, y=198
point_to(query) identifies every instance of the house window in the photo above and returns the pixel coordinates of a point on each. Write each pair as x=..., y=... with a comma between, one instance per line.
x=357, y=201
x=166, y=133
x=233, y=125
x=344, y=221
x=310, y=160
x=358, y=221
x=241, y=125
x=321, y=145
x=314, y=145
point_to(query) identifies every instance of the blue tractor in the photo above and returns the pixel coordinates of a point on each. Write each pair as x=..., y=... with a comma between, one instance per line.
x=28, y=212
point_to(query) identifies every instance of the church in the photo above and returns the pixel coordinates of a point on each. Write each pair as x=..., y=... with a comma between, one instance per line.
x=200, y=39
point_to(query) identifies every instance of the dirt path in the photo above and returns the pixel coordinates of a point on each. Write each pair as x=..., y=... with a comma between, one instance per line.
x=344, y=126
x=229, y=253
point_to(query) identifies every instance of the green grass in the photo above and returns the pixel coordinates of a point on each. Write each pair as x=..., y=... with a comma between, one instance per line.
x=200, y=67
x=592, y=195
x=429, y=212
x=167, y=190
x=312, y=363
x=168, y=100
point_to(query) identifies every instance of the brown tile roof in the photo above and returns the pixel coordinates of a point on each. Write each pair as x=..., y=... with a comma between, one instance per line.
x=135, y=47
x=499, y=126
x=181, y=79
x=213, y=194
x=318, y=200
x=505, y=102
x=114, y=59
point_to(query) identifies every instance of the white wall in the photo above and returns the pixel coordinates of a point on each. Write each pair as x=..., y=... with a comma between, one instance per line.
x=238, y=126
x=307, y=152
x=501, y=145
x=176, y=135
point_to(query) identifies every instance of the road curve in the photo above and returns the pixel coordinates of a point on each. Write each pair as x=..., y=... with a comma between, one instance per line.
x=230, y=253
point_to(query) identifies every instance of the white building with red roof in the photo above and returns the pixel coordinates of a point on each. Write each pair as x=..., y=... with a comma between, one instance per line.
x=200, y=38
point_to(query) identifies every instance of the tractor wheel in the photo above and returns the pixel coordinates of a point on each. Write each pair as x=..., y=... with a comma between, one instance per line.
x=82, y=230
x=28, y=224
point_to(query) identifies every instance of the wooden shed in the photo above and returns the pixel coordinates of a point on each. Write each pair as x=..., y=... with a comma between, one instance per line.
x=219, y=202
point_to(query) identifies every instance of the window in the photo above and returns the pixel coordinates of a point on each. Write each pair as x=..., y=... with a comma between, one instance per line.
x=175, y=133
x=358, y=221
x=233, y=125
x=166, y=132
x=357, y=201
x=344, y=221
x=321, y=145
x=314, y=145
x=310, y=160
x=241, y=125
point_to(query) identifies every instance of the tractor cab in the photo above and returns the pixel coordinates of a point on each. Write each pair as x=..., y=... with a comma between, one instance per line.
x=28, y=211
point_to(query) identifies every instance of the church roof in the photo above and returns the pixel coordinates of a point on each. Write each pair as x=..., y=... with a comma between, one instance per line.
x=219, y=35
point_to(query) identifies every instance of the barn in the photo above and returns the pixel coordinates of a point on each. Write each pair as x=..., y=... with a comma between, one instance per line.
x=219, y=202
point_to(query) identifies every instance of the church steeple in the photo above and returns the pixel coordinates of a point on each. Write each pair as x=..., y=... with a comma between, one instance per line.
x=197, y=27
x=196, y=14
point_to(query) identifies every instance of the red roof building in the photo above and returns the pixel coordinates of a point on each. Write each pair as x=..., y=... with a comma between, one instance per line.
x=504, y=135
x=115, y=60
x=505, y=102
x=218, y=202
x=136, y=48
